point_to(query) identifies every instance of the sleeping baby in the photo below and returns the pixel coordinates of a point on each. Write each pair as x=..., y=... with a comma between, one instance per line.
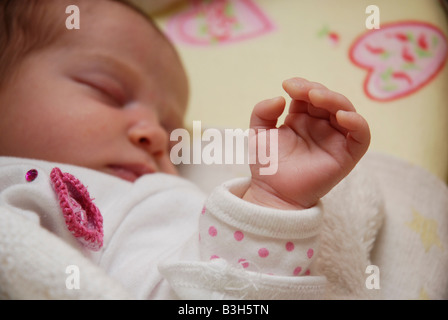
x=86, y=117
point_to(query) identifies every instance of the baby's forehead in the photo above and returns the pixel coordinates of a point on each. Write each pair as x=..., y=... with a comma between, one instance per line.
x=167, y=66
x=72, y=12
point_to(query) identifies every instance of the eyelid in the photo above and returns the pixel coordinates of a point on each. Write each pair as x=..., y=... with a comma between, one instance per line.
x=105, y=85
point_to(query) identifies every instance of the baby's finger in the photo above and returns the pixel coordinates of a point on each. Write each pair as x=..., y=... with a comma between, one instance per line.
x=318, y=112
x=334, y=123
x=330, y=100
x=265, y=113
x=358, y=137
x=298, y=106
x=298, y=88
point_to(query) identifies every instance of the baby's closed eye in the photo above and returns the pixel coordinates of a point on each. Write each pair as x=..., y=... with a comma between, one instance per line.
x=105, y=89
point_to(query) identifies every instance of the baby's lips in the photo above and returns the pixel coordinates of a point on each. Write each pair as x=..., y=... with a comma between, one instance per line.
x=401, y=58
x=82, y=217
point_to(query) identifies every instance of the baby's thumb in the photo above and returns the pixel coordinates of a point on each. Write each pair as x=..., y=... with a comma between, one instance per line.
x=266, y=113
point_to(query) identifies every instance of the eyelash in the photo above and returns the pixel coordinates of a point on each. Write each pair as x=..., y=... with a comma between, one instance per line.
x=113, y=98
x=117, y=101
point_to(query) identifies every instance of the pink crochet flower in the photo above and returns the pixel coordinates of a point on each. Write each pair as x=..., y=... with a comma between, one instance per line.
x=82, y=217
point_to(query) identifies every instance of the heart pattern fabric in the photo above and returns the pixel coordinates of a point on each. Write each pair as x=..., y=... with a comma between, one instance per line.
x=218, y=22
x=400, y=57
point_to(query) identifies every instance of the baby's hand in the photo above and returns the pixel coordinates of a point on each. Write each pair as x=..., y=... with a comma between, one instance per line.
x=320, y=142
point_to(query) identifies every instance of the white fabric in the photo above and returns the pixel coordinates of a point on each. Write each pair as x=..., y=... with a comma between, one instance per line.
x=152, y=248
x=411, y=248
x=270, y=241
x=149, y=223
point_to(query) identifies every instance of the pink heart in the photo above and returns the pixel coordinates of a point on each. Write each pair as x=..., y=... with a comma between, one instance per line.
x=218, y=21
x=401, y=58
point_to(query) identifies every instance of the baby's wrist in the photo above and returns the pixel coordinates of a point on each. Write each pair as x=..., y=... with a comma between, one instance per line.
x=261, y=196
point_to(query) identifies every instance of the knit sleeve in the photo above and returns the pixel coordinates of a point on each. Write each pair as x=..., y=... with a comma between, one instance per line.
x=255, y=238
x=251, y=252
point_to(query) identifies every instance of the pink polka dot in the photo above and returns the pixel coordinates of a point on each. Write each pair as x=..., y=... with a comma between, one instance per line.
x=297, y=271
x=212, y=231
x=214, y=257
x=310, y=253
x=238, y=235
x=263, y=252
x=289, y=246
x=307, y=272
x=243, y=263
x=203, y=210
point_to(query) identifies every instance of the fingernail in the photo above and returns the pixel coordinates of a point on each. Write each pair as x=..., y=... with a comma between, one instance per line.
x=294, y=81
x=275, y=98
x=342, y=113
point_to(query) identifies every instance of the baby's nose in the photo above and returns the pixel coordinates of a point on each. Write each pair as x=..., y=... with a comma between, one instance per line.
x=149, y=136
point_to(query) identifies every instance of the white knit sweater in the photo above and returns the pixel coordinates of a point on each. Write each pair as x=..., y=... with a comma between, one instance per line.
x=162, y=242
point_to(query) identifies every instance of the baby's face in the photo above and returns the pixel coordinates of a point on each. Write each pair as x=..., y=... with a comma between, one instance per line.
x=105, y=97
